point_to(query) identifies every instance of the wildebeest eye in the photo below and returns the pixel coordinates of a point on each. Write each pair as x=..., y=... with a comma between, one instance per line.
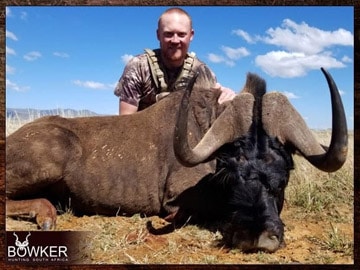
x=241, y=159
x=268, y=159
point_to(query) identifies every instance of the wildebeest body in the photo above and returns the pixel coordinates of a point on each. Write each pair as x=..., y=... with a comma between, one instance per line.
x=98, y=145
x=160, y=161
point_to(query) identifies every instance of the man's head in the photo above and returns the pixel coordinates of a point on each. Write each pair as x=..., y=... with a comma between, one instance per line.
x=175, y=33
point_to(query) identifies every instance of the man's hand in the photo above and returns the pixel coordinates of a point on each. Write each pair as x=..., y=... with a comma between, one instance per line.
x=226, y=93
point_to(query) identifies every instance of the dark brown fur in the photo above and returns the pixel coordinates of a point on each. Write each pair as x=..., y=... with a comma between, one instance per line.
x=107, y=165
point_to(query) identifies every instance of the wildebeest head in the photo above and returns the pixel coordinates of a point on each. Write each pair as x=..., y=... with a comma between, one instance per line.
x=253, y=146
x=257, y=171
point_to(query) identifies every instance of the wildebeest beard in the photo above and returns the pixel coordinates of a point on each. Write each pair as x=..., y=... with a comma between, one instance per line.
x=243, y=199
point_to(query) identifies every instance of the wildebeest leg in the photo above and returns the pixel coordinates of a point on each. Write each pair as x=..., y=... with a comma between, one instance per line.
x=169, y=228
x=177, y=219
x=171, y=217
x=40, y=209
x=173, y=187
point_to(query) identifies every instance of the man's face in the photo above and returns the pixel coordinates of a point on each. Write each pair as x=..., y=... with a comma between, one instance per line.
x=175, y=34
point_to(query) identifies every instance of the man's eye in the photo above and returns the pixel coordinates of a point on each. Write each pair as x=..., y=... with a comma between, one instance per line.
x=168, y=34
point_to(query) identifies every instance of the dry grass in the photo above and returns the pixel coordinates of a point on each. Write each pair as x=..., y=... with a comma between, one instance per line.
x=318, y=214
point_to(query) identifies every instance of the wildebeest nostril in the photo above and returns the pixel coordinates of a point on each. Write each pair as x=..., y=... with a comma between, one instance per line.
x=273, y=237
x=268, y=241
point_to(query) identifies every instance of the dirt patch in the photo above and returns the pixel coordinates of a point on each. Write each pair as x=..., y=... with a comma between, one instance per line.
x=310, y=239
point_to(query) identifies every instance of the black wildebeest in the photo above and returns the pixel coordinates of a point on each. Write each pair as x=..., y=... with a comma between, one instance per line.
x=150, y=162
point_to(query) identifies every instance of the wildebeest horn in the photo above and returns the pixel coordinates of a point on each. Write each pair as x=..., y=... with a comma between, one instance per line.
x=281, y=120
x=232, y=123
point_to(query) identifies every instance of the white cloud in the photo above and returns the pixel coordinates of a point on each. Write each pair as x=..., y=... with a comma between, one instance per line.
x=290, y=95
x=92, y=85
x=8, y=12
x=61, y=54
x=23, y=15
x=126, y=58
x=306, y=39
x=10, y=69
x=11, y=35
x=235, y=53
x=303, y=48
x=220, y=59
x=289, y=65
x=215, y=58
x=246, y=36
x=231, y=54
x=32, y=56
x=10, y=51
x=14, y=86
x=346, y=59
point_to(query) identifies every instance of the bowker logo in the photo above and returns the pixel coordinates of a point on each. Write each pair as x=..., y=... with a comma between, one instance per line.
x=22, y=251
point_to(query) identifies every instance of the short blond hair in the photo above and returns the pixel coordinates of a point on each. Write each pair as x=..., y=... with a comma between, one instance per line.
x=175, y=10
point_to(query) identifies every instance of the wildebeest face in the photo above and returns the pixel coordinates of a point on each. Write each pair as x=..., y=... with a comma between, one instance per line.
x=247, y=190
x=258, y=172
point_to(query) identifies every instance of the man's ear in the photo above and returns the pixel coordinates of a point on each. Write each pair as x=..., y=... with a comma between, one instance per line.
x=158, y=34
x=192, y=34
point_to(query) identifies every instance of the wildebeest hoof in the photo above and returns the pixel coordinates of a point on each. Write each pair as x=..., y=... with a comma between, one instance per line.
x=46, y=215
x=159, y=231
x=40, y=209
x=47, y=223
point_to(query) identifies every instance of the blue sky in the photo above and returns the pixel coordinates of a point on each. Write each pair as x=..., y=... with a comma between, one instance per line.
x=72, y=57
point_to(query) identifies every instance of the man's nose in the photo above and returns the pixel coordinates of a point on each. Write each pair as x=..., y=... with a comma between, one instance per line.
x=175, y=38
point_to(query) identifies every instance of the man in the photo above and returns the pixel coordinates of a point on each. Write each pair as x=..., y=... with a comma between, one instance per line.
x=147, y=76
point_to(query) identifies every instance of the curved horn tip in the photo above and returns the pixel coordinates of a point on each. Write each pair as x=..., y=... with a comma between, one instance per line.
x=325, y=72
x=328, y=77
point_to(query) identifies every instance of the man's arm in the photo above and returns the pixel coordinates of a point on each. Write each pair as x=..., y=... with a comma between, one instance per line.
x=226, y=93
x=126, y=108
x=209, y=76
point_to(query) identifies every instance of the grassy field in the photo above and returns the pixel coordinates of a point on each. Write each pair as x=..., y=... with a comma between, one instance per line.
x=318, y=214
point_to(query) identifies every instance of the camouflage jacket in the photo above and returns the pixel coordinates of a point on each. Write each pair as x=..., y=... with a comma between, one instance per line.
x=137, y=87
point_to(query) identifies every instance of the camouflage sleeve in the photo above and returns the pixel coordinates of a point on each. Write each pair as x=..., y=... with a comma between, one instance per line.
x=131, y=83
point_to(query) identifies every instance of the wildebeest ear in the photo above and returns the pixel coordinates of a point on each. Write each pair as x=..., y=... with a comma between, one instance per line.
x=281, y=120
